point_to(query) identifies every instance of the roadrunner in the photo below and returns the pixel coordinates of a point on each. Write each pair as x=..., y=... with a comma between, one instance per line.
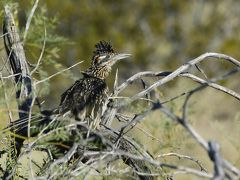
x=85, y=99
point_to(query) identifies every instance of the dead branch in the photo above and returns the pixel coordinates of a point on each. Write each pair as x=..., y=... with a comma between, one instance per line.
x=182, y=69
x=19, y=67
x=217, y=160
x=30, y=19
x=18, y=63
x=180, y=156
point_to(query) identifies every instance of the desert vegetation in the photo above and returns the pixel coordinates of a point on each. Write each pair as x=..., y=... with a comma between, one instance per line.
x=173, y=110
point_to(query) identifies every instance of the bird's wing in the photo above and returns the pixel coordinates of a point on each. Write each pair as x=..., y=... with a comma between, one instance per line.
x=67, y=98
x=82, y=93
x=67, y=94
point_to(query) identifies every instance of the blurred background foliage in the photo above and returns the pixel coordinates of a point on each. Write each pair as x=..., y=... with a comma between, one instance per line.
x=161, y=35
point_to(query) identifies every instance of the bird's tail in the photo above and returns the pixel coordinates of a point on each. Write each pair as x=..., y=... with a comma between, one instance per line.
x=19, y=129
x=20, y=126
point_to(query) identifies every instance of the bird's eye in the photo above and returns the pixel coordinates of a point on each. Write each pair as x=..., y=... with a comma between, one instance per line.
x=101, y=57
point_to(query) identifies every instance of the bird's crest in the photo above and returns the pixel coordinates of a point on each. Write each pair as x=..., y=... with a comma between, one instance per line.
x=103, y=47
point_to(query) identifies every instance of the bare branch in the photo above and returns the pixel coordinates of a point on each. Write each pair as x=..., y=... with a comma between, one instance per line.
x=59, y=72
x=30, y=19
x=41, y=55
x=180, y=156
x=182, y=69
x=217, y=160
x=18, y=62
x=211, y=84
x=6, y=100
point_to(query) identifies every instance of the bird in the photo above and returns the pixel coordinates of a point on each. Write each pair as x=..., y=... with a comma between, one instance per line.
x=83, y=100
x=86, y=98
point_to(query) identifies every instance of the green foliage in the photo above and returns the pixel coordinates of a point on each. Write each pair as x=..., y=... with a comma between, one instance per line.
x=42, y=31
x=33, y=45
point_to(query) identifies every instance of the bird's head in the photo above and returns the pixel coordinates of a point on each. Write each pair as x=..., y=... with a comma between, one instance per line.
x=105, y=56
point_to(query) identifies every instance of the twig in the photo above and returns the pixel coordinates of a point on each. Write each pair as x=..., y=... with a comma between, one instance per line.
x=139, y=117
x=126, y=119
x=6, y=100
x=201, y=71
x=151, y=161
x=30, y=19
x=217, y=160
x=42, y=51
x=180, y=70
x=224, y=76
x=138, y=76
x=66, y=158
x=180, y=156
x=4, y=35
x=60, y=72
x=115, y=85
x=211, y=84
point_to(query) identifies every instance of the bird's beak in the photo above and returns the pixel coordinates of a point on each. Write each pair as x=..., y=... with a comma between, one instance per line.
x=120, y=56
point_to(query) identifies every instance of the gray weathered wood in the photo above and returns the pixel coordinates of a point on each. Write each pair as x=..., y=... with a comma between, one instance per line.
x=18, y=63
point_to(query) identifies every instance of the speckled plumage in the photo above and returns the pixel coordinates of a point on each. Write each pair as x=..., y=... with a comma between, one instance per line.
x=87, y=96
